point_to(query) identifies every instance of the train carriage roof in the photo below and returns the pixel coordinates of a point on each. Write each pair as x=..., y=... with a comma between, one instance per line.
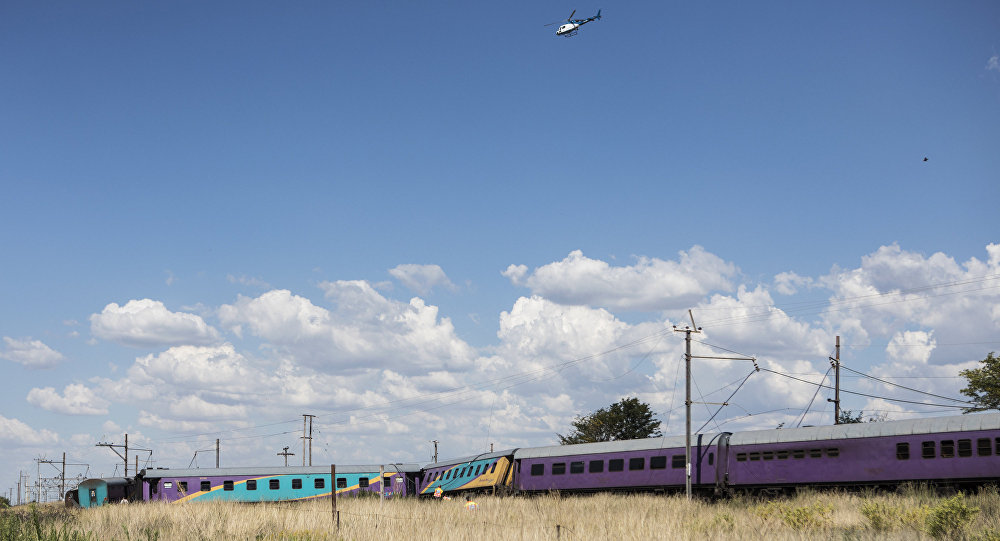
x=267, y=471
x=454, y=461
x=933, y=425
x=648, y=444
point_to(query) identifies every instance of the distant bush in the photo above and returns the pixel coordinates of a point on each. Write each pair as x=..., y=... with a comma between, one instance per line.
x=950, y=517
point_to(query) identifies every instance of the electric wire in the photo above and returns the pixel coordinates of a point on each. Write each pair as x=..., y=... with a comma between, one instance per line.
x=813, y=398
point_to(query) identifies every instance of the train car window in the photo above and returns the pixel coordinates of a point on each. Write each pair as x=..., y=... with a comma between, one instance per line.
x=386, y=481
x=678, y=461
x=448, y=475
x=983, y=447
x=833, y=452
x=658, y=463
x=947, y=448
x=798, y=453
x=711, y=458
x=754, y=456
x=363, y=482
x=478, y=468
x=815, y=453
x=341, y=482
x=227, y=485
x=964, y=448
x=997, y=450
x=741, y=457
x=206, y=486
x=296, y=484
x=576, y=467
x=182, y=486
x=274, y=484
x=538, y=469
x=782, y=455
x=319, y=482
x=903, y=451
x=928, y=449
x=768, y=455
x=638, y=463
x=596, y=466
x=251, y=484
x=494, y=468
x=616, y=464
x=559, y=468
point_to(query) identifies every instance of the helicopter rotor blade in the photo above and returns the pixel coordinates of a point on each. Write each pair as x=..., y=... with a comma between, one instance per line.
x=571, y=15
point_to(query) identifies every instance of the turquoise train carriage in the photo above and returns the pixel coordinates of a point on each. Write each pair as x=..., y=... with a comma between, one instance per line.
x=275, y=484
x=487, y=472
x=98, y=492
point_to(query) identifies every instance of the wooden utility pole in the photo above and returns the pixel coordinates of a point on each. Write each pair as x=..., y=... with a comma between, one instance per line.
x=286, y=454
x=333, y=493
x=435, y=442
x=305, y=417
x=311, y=439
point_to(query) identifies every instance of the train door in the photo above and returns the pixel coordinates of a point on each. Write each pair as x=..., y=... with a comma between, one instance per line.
x=722, y=463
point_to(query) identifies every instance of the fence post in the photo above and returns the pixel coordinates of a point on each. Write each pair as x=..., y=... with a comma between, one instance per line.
x=558, y=532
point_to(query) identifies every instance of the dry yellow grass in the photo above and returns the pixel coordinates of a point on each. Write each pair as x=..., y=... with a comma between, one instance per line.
x=603, y=516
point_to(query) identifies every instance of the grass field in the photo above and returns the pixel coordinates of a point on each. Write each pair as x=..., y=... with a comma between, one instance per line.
x=912, y=513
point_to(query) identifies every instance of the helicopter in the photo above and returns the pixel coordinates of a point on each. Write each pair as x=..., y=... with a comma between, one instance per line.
x=571, y=26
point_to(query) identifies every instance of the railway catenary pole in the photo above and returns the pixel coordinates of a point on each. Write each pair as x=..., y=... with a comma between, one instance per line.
x=217, y=453
x=687, y=400
x=835, y=363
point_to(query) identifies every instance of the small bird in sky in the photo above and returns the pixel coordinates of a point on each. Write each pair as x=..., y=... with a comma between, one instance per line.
x=925, y=158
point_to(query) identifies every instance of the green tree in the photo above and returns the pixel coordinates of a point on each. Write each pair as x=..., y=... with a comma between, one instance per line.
x=849, y=417
x=628, y=419
x=4, y=502
x=984, y=385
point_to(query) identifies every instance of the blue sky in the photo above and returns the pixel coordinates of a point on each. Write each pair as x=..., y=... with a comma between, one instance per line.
x=400, y=199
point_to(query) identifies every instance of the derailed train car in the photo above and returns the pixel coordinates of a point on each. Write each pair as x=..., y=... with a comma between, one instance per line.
x=487, y=472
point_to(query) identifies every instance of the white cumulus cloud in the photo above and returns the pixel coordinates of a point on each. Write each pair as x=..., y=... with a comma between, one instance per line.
x=76, y=399
x=911, y=346
x=148, y=323
x=15, y=433
x=650, y=284
x=421, y=279
x=364, y=330
x=30, y=353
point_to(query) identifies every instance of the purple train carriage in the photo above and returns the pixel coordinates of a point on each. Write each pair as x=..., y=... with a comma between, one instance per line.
x=957, y=451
